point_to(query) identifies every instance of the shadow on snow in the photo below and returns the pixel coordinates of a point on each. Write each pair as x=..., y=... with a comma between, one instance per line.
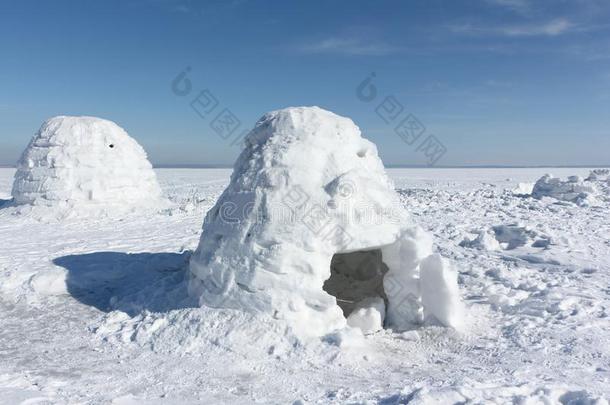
x=129, y=282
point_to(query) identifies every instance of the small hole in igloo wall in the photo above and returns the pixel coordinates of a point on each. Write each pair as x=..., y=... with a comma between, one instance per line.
x=355, y=276
x=111, y=146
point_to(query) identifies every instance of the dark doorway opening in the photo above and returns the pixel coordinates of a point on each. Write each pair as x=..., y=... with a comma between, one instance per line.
x=355, y=276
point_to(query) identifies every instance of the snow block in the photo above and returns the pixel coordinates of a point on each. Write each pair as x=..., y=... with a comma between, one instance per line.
x=574, y=189
x=368, y=315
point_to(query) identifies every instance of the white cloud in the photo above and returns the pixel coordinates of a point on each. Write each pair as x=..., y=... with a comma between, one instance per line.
x=519, y=6
x=551, y=28
x=349, y=46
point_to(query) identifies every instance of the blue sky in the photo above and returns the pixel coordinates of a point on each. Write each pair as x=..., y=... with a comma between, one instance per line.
x=498, y=82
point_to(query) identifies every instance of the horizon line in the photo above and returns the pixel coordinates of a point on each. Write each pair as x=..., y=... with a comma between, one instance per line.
x=389, y=166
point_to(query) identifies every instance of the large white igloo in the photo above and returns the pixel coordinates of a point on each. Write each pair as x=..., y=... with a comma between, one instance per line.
x=76, y=162
x=310, y=227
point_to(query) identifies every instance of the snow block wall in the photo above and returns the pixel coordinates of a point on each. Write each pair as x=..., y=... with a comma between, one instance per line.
x=305, y=188
x=76, y=161
x=587, y=192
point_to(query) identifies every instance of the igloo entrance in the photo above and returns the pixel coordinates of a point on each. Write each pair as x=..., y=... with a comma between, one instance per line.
x=355, y=276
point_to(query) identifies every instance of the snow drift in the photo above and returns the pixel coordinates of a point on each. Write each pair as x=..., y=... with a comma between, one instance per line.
x=599, y=175
x=576, y=190
x=84, y=161
x=311, y=229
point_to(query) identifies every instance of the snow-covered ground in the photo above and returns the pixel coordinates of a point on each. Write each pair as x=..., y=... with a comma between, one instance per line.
x=95, y=310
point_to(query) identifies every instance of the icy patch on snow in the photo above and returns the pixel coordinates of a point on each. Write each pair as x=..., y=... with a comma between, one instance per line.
x=76, y=164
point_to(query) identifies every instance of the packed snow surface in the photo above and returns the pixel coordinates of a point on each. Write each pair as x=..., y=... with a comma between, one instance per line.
x=307, y=186
x=75, y=163
x=95, y=309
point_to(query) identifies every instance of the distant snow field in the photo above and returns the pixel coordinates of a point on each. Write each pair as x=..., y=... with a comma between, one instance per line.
x=96, y=310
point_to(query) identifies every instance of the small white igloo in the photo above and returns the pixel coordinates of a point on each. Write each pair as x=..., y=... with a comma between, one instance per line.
x=76, y=162
x=310, y=229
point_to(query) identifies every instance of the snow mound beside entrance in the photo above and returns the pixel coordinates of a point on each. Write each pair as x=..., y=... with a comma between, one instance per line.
x=308, y=189
x=74, y=162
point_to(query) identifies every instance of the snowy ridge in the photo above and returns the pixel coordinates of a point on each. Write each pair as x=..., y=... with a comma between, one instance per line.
x=576, y=190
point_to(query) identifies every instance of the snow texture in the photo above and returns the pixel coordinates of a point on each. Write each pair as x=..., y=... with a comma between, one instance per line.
x=485, y=240
x=599, y=175
x=574, y=189
x=78, y=162
x=307, y=186
x=368, y=315
x=88, y=301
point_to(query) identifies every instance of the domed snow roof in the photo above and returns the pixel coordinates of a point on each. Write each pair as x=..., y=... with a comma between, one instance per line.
x=308, y=190
x=76, y=161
